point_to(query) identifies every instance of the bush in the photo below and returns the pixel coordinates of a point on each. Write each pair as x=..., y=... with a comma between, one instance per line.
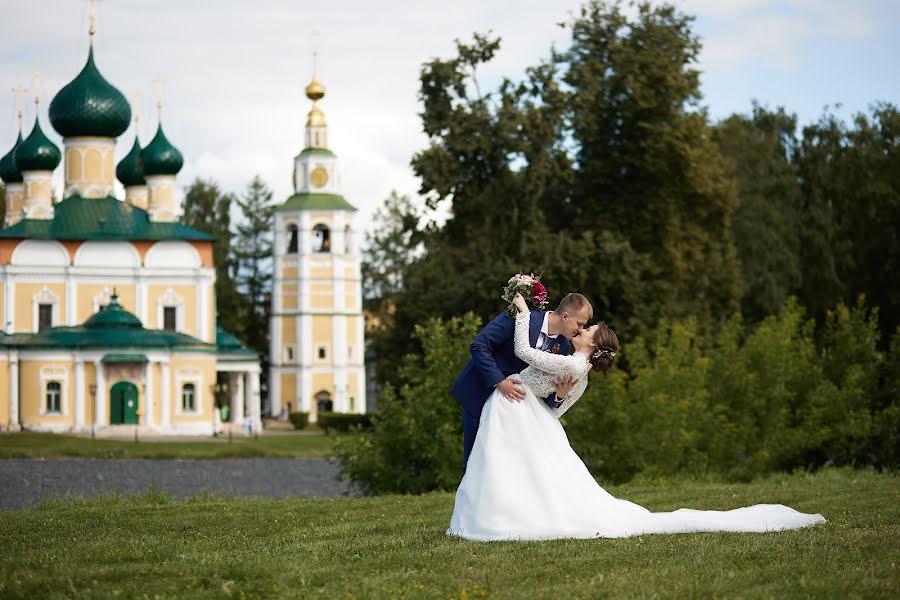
x=342, y=422
x=415, y=444
x=299, y=419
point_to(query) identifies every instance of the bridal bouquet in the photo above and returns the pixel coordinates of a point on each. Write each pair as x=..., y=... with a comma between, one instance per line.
x=531, y=288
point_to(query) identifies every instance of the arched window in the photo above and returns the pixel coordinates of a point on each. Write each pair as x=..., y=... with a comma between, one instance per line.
x=188, y=397
x=54, y=392
x=321, y=239
x=348, y=247
x=324, y=402
x=292, y=239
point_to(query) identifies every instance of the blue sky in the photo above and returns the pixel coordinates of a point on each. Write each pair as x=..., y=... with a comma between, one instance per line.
x=235, y=71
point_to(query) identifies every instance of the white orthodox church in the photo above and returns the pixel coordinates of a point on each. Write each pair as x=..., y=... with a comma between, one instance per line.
x=316, y=330
x=108, y=305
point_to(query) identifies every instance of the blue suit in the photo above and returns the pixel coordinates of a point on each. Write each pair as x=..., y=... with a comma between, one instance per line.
x=493, y=360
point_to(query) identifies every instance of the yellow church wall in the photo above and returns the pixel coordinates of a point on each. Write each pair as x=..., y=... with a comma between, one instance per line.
x=289, y=297
x=206, y=365
x=321, y=296
x=211, y=312
x=90, y=400
x=86, y=292
x=351, y=331
x=73, y=164
x=25, y=292
x=349, y=272
x=4, y=392
x=320, y=273
x=288, y=330
x=321, y=330
x=32, y=393
x=289, y=273
x=289, y=390
x=322, y=382
x=317, y=217
x=187, y=293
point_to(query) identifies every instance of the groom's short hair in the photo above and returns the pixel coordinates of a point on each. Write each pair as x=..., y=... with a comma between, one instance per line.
x=574, y=302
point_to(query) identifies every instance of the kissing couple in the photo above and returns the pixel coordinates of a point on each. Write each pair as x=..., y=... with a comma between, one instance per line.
x=522, y=480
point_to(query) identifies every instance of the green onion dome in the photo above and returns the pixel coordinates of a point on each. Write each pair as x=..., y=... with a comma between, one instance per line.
x=9, y=172
x=90, y=106
x=113, y=317
x=160, y=157
x=37, y=153
x=130, y=170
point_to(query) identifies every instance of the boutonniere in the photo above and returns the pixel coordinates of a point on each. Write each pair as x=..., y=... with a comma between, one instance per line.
x=554, y=349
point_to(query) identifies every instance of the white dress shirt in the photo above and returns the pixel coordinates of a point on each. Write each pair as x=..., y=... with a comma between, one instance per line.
x=545, y=340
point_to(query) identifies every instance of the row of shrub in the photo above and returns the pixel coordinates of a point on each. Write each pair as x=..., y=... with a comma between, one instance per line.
x=332, y=421
x=751, y=401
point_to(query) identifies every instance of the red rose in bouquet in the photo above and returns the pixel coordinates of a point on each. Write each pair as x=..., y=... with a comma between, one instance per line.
x=540, y=292
x=531, y=288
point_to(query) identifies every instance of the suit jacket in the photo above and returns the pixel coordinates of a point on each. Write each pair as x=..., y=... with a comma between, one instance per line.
x=494, y=359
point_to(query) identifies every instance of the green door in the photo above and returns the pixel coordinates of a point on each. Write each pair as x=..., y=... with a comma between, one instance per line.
x=123, y=408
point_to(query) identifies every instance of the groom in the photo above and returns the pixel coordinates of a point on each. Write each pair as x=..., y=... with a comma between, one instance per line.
x=493, y=360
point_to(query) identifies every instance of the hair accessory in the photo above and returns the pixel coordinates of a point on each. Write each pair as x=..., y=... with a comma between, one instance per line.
x=605, y=352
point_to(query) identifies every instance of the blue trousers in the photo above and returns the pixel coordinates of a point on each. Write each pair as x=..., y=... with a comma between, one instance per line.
x=470, y=430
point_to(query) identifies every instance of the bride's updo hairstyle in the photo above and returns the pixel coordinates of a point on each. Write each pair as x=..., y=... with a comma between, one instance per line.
x=607, y=344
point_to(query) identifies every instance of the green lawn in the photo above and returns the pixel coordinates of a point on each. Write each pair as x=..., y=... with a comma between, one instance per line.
x=394, y=546
x=54, y=445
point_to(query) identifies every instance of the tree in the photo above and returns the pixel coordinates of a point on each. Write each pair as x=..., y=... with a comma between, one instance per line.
x=208, y=209
x=253, y=250
x=760, y=149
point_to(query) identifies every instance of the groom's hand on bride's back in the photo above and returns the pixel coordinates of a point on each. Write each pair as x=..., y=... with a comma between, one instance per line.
x=511, y=390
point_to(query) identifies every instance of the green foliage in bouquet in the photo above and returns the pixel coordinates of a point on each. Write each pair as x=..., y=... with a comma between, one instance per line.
x=415, y=444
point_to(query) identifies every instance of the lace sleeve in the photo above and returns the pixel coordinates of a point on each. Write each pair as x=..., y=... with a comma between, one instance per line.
x=555, y=364
x=573, y=397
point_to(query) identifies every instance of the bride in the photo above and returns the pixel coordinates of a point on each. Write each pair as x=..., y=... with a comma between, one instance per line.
x=523, y=481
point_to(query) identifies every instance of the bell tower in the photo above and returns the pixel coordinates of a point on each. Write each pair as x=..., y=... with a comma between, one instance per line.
x=316, y=338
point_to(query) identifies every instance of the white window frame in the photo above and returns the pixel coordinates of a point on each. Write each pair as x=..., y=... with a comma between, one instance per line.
x=183, y=376
x=171, y=299
x=45, y=296
x=61, y=376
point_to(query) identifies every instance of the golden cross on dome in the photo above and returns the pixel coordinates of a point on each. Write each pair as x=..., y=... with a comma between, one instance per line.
x=19, y=93
x=158, y=83
x=92, y=17
x=37, y=90
x=136, y=102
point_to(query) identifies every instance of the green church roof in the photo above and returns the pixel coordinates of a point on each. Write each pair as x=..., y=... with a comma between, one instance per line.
x=228, y=344
x=160, y=157
x=77, y=218
x=113, y=327
x=90, y=106
x=313, y=201
x=130, y=169
x=37, y=152
x=317, y=152
x=9, y=172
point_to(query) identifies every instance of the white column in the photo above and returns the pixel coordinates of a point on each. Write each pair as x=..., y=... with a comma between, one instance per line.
x=9, y=306
x=14, y=393
x=237, y=397
x=71, y=300
x=203, y=319
x=253, y=398
x=79, y=393
x=140, y=298
x=199, y=300
x=148, y=394
x=166, y=394
x=274, y=390
x=100, y=418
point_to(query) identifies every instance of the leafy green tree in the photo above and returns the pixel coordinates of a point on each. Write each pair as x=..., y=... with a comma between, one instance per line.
x=415, y=445
x=253, y=250
x=760, y=149
x=207, y=208
x=648, y=171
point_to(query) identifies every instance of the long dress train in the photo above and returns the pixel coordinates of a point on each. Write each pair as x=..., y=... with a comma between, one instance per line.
x=523, y=481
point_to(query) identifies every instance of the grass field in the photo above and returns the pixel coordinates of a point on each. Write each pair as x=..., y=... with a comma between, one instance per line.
x=394, y=546
x=54, y=445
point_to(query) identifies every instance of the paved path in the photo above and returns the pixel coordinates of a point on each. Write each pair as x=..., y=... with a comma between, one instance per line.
x=23, y=482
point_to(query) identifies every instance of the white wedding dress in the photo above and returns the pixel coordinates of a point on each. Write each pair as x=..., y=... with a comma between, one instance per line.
x=523, y=481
